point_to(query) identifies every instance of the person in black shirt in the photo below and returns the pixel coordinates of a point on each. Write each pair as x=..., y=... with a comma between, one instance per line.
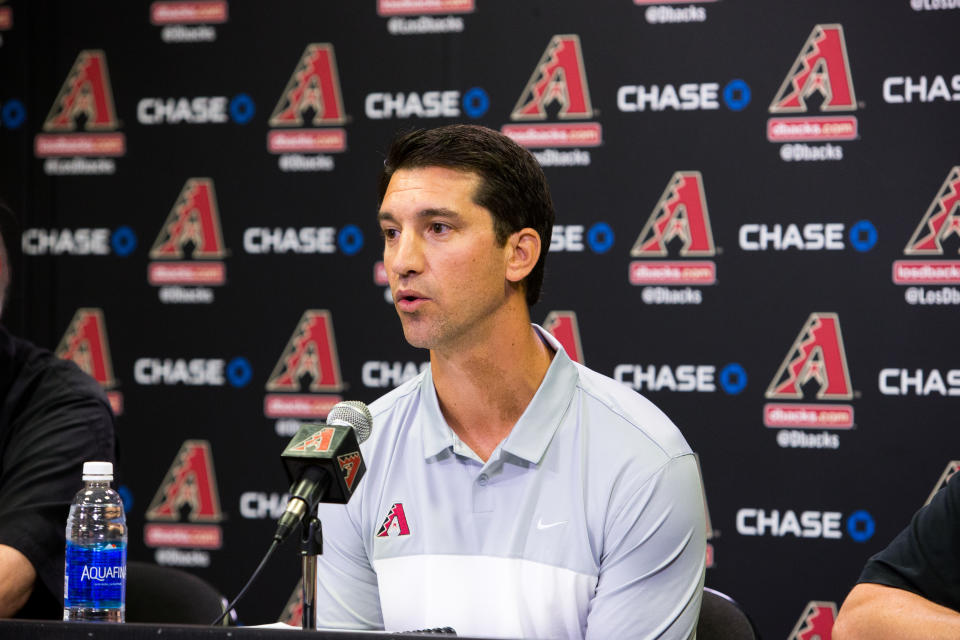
x=911, y=589
x=53, y=417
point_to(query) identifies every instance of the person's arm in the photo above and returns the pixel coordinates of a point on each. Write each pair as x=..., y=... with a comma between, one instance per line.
x=653, y=564
x=348, y=596
x=16, y=580
x=878, y=612
x=63, y=419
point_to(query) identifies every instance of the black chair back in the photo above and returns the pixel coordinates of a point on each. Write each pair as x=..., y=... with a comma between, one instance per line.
x=721, y=618
x=165, y=595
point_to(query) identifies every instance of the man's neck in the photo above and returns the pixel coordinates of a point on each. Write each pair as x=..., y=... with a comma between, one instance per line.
x=484, y=388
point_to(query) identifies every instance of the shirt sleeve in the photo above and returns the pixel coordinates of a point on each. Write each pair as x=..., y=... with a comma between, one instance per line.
x=58, y=425
x=653, y=562
x=347, y=593
x=924, y=558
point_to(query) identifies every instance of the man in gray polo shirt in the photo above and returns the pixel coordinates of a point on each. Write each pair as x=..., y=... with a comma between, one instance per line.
x=510, y=492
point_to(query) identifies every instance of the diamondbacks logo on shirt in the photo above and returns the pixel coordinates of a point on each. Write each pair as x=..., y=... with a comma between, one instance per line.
x=816, y=357
x=189, y=487
x=680, y=218
x=816, y=622
x=559, y=81
x=85, y=102
x=395, y=524
x=938, y=229
x=952, y=467
x=309, y=360
x=312, y=99
x=193, y=224
x=821, y=69
x=85, y=344
x=562, y=325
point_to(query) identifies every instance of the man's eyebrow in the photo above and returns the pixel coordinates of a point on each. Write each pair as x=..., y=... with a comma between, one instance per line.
x=437, y=212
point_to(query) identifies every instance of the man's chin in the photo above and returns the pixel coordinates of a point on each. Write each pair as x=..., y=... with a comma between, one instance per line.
x=417, y=338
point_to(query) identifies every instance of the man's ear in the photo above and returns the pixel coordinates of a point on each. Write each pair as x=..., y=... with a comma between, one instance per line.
x=524, y=246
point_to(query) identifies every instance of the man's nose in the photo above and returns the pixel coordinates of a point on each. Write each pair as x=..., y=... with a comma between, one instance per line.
x=407, y=255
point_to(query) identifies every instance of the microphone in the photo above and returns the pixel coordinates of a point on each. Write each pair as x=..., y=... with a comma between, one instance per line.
x=323, y=462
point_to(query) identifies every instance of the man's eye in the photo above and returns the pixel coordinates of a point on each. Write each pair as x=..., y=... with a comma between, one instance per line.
x=388, y=234
x=439, y=227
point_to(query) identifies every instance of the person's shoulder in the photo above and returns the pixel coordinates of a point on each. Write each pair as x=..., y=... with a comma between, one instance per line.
x=43, y=368
x=389, y=409
x=630, y=416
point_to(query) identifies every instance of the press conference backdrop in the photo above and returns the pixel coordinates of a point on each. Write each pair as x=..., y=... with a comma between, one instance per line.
x=758, y=226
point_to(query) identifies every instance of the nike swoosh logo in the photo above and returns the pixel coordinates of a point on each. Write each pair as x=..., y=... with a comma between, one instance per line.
x=541, y=526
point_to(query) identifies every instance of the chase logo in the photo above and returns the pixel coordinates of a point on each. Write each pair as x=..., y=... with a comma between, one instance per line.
x=198, y=110
x=430, y=104
x=12, y=114
x=687, y=97
x=701, y=378
x=79, y=242
x=859, y=525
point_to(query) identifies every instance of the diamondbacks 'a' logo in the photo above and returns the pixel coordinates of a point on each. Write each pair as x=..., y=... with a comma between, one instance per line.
x=680, y=213
x=311, y=351
x=194, y=219
x=941, y=221
x=952, y=467
x=817, y=354
x=317, y=442
x=86, y=92
x=822, y=67
x=395, y=524
x=85, y=344
x=292, y=612
x=349, y=465
x=314, y=86
x=191, y=482
x=562, y=325
x=816, y=623
x=558, y=78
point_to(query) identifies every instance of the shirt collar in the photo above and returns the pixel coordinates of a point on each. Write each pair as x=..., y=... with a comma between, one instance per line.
x=531, y=435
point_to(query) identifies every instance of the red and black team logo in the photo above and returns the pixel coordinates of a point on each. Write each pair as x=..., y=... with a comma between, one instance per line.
x=193, y=223
x=350, y=465
x=562, y=325
x=560, y=80
x=395, y=524
x=85, y=101
x=940, y=224
x=681, y=217
x=312, y=98
x=817, y=357
x=952, y=467
x=816, y=623
x=292, y=613
x=823, y=69
x=6, y=18
x=190, y=487
x=309, y=360
x=85, y=344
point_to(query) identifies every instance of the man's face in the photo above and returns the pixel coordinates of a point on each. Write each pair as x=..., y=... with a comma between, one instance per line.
x=446, y=270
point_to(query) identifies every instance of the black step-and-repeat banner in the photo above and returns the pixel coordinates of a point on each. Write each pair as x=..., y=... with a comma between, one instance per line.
x=758, y=224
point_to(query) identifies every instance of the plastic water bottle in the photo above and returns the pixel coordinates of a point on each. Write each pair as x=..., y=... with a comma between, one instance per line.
x=95, y=579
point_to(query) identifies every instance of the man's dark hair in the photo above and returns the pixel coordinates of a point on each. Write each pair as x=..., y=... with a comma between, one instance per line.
x=512, y=185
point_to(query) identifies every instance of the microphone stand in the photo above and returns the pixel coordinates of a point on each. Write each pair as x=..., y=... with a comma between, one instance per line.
x=311, y=545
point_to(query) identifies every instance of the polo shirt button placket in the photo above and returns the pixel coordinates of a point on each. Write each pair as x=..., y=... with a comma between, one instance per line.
x=482, y=496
